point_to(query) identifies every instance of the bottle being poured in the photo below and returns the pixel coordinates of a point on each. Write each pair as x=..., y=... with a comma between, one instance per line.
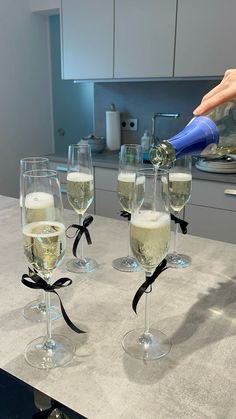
x=200, y=136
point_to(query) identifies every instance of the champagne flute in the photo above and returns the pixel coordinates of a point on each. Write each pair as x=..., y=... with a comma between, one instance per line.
x=44, y=247
x=80, y=194
x=130, y=160
x=179, y=191
x=149, y=238
x=36, y=310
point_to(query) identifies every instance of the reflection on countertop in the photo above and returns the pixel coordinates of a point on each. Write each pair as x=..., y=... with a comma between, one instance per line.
x=109, y=160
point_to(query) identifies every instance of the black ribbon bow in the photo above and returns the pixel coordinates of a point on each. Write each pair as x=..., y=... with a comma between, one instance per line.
x=33, y=280
x=149, y=281
x=81, y=229
x=125, y=214
x=183, y=224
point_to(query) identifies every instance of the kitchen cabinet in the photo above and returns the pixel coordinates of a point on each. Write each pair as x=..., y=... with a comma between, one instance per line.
x=87, y=39
x=106, y=200
x=144, y=38
x=120, y=39
x=136, y=39
x=205, y=37
x=211, y=211
x=45, y=7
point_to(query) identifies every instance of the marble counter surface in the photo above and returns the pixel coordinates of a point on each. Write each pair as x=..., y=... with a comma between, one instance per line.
x=109, y=160
x=195, y=307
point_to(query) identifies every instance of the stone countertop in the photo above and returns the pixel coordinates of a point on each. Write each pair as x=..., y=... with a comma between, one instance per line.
x=109, y=160
x=195, y=307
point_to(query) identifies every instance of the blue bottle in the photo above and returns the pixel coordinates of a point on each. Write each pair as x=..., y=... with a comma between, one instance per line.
x=201, y=133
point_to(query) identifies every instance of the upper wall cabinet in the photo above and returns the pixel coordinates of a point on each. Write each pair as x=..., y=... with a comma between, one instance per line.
x=87, y=39
x=104, y=39
x=205, y=37
x=144, y=38
x=131, y=39
x=46, y=7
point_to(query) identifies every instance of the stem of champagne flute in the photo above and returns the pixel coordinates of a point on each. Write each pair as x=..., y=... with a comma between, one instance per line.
x=48, y=318
x=82, y=238
x=175, y=237
x=42, y=303
x=129, y=247
x=146, y=319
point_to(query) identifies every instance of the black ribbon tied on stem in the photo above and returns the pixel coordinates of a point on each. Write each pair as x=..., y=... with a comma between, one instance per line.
x=80, y=230
x=183, y=224
x=34, y=281
x=148, y=283
x=125, y=214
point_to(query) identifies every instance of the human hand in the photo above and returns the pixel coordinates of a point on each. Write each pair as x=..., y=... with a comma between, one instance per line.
x=223, y=92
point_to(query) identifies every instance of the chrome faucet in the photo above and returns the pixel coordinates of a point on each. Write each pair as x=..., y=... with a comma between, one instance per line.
x=157, y=115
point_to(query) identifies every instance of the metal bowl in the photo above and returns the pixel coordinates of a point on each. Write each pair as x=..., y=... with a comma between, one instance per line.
x=97, y=144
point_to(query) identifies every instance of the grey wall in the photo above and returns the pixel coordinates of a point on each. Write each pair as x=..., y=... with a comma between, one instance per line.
x=25, y=86
x=141, y=99
x=72, y=103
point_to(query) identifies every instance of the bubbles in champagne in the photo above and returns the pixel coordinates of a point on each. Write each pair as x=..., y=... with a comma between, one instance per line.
x=150, y=237
x=39, y=206
x=80, y=190
x=180, y=188
x=44, y=245
x=125, y=190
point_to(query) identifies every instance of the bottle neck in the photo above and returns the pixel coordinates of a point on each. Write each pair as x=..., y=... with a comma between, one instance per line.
x=195, y=137
x=162, y=154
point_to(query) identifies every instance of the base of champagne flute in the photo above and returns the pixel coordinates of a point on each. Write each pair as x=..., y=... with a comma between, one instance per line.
x=126, y=264
x=35, y=311
x=43, y=354
x=81, y=265
x=146, y=346
x=177, y=260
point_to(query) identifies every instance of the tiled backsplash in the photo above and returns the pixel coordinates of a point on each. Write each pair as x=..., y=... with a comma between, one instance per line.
x=141, y=99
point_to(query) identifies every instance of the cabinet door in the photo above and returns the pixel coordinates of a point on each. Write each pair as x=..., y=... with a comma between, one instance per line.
x=144, y=38
x=212, y=223
x=107, y=204
x=87, y=39
x=205, y=37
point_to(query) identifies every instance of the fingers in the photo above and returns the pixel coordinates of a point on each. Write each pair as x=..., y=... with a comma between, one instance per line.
x=212, y=92
x=203, y=107
x=224, y=91
x=215, y=100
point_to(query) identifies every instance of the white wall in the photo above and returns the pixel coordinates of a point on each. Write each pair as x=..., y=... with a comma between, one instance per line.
x=25, y=90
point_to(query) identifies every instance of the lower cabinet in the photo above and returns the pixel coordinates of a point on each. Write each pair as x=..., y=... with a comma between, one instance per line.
x=107, y=204
x=106, y=200
x=212, y=223
x=211, y=211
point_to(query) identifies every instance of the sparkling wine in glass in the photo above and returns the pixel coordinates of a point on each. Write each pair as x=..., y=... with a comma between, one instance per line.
x=44, y=243
x=36, y=204
x=149, y=238
x=131, y=160
x=80, y=194
x=179, y=191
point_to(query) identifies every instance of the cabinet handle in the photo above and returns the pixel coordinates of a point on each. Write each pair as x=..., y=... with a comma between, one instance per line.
x=230, y=191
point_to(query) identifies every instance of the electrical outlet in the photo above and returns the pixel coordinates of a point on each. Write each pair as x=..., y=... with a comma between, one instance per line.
x=129, y=124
